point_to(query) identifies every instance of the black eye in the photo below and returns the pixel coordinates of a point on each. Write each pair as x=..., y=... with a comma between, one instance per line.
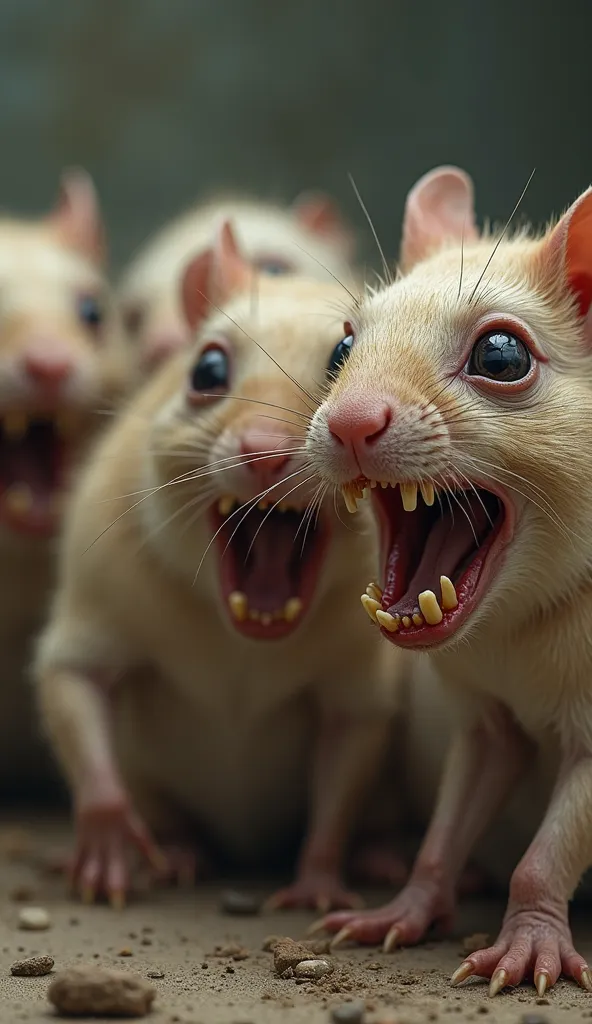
x=274, y=266
x=499, y=356
x=90, y=311
x=340, y=354
x=211, y=371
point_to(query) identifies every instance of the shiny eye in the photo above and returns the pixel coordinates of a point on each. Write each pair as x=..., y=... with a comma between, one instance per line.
x=499, y=356
x=211, y=371
x=274, y=266
x=90, y=311
x=339, y=354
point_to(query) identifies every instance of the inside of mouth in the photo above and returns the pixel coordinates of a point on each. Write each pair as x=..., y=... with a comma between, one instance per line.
x=449, y=538
x=31, y=463
x=268, y=558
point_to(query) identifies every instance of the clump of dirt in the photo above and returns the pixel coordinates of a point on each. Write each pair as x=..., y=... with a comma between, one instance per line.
x=100, y=991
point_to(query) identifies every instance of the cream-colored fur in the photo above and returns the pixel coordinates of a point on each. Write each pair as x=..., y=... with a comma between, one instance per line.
x=208, y=725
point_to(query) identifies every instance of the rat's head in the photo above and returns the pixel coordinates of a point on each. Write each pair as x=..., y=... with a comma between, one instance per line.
x=227, y=442
x=309, y=238
x=56, y=358
x=465, y=412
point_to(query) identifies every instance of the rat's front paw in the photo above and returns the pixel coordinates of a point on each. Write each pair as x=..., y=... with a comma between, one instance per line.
x=402, y=922
x=314, y=891
x=108, y=833
x=534, y=943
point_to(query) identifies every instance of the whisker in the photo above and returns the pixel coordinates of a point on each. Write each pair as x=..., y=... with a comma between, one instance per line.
x=387, y=270
x=354, y=299
x=502, y=236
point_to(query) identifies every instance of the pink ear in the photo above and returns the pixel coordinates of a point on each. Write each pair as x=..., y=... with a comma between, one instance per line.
x=319, y=214
x=570, y=244
x=213, y=276
x=76, y=216
x=439, y=209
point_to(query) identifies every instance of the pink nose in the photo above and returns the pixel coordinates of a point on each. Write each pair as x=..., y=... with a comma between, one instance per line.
x=160, y=347
x=47, y=364
x=358, y=423
x=254, y=448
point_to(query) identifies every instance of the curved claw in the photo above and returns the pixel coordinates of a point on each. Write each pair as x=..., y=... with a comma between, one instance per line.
x=542, y=982
x=323, y=904
x=461, y=973
x=586, y=979
x=341, y=937
x=498, y=982
x=391, y=940
x=316, y=927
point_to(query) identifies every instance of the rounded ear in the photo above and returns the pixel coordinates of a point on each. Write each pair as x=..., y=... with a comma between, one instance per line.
x=439, y=209
x=567, y=252
x=211, y=277
x=76, y=216
x=320, y=214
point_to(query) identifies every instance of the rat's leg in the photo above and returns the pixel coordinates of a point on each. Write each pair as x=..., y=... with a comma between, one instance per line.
x=347, y=755
x=75, y=709
x=484, y=761
x=535, y=938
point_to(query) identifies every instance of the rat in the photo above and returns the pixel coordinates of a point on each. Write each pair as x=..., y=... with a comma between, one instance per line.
x=464, y=411
x=193, y=679
x=62, y=361
x=310, y=237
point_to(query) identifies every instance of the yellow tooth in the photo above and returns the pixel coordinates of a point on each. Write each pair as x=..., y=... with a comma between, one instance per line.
x=374, y=591
x=417, y=619
x=409, y=496
x=15, y=424
x=282, y=507
x=226, y=505
x=18, y=499
x=66, y=423
x=406, y=622
x=449, y=598
x=366, y=492
x=427, y=492
x=351, y=503
x=292, y=609
x=430, y=608
x=389, y=622
x=384, y=484
x=370, y=605
x=373, y=484
x=239, y=605
x=266, y=618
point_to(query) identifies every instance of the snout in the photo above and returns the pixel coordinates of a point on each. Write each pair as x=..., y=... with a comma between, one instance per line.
x=350, y=436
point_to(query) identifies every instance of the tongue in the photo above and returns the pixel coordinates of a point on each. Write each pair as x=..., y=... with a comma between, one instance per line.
x=451, y=540
x=270, y=575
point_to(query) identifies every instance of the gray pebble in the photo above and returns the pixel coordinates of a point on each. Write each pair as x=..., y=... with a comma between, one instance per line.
x=349, y=1013
x=237, y=903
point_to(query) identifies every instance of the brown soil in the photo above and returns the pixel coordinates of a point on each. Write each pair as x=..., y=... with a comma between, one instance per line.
x=212, y=969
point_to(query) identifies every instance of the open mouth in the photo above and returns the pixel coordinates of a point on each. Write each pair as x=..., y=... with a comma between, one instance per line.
x=270, y=560
x=440, y=551
x=33, y=465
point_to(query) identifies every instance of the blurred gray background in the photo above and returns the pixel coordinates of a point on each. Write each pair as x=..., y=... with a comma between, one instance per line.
x=162, y=99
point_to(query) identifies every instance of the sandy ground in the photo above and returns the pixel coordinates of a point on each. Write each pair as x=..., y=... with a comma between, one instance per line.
x=175, y=934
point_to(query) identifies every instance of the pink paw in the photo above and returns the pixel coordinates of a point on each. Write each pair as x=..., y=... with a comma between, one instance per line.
x=403, y=921
x=108, y=835
x=532, y=943
x=319, y=892
x=379, y=864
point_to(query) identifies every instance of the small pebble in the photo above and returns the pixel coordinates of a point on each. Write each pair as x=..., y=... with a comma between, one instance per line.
x=34, y=919
x=313, y=969
x=125, y=952
x=156, y=974
x=32, y=967
x=239, y=903
x=543, y=1002
x=349, y=1013
x=100, y=992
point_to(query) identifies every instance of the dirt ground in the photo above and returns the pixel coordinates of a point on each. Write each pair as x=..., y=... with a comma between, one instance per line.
x=174, y=934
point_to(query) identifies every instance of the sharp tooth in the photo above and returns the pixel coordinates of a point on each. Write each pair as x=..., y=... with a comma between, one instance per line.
x=417, y=619
x=430, y=608
x=374, y=591
x=66, y=423
x=18, y=499
x=373, y=484
x=389, y=622
x=366, y=492
x=292, y=609
x=351, y=503
x=266, y=618
x=409, y=496
x=370, y=605
x=427, y=492
x=15, y=425
x=449, y=598
x=226, y=505
x=406, y=622
x=384, y=484
x=239, y=605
